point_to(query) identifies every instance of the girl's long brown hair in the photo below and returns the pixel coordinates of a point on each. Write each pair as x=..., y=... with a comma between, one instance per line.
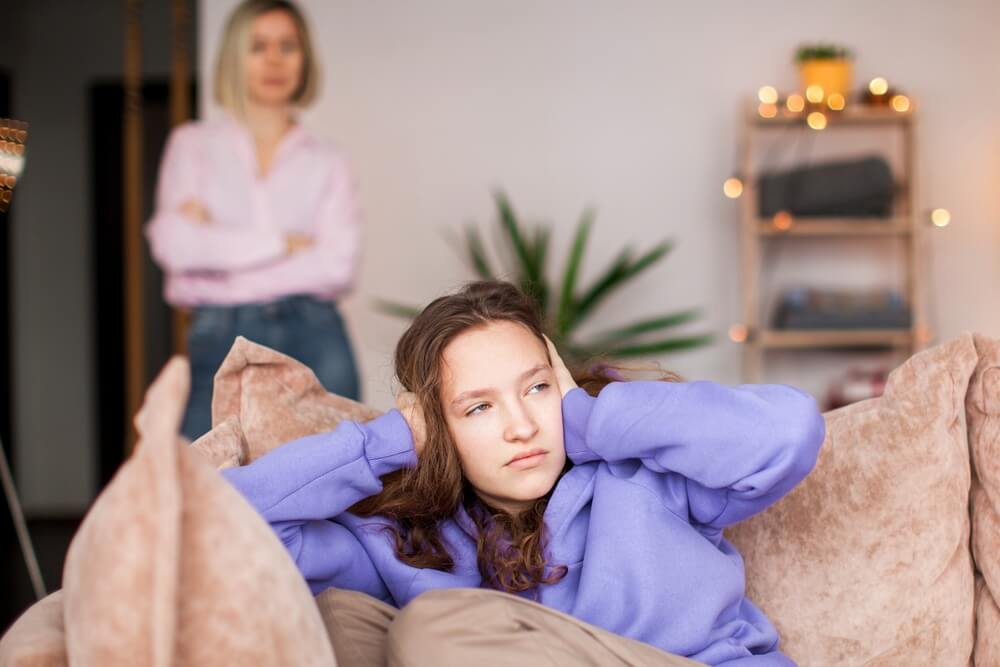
x=510, y=549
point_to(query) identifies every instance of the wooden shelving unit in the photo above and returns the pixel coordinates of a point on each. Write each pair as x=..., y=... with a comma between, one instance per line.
x=856, y=114
x=775, y=339
x=834, y=227
x=905, y=227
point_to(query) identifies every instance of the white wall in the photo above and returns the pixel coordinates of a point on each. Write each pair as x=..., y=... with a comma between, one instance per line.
x=631, y=106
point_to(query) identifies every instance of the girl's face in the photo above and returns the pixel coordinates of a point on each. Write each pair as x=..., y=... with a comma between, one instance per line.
x=274, y=64
x=504, y=412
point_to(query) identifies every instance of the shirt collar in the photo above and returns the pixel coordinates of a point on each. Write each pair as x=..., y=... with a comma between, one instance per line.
x=293, y=137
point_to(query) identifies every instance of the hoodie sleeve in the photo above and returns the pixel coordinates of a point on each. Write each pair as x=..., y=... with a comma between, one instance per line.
x=739, y=449
x=299, y=486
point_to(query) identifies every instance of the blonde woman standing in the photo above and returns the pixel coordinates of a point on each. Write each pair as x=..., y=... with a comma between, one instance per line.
x=256, y=226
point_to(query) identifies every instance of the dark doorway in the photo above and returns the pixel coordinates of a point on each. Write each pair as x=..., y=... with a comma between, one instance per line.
x=107, y=228
x=10, y=558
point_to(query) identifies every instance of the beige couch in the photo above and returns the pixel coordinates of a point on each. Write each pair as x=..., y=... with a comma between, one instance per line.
x=886, y=555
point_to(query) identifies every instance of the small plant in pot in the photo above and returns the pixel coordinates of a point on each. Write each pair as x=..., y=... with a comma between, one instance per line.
x=827, y=66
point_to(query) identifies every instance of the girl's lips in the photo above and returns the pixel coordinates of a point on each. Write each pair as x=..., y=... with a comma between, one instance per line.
x=528, y=460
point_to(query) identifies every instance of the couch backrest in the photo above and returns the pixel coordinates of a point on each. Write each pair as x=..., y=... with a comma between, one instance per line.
x=868, y=561
x=983, y=415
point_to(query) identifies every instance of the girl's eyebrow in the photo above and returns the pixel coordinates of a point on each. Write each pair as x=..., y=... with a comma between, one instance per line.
x=475, y=393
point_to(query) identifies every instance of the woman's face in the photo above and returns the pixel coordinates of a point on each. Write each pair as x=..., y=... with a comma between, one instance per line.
x=274, y=64
x=504, y=412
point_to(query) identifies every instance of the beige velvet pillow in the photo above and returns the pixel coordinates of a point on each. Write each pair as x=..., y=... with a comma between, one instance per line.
x=37, y=638
x=867, y=562
x=262, y=399
x=983, y=410
x=172, y=566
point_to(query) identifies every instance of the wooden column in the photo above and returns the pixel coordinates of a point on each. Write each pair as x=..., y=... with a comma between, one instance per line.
x=132, y=184
x=916, y=270
x=180, y=107
x=753, y=353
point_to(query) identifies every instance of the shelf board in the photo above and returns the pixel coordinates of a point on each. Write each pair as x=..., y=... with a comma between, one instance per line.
x=803, y=339
x=853, y=115
x=838, y=227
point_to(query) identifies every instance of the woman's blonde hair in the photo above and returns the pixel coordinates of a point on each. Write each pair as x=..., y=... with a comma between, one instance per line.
x=230, y=77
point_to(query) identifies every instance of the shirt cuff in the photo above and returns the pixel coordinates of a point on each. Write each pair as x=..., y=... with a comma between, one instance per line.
x=388, y=443
x=576, y=407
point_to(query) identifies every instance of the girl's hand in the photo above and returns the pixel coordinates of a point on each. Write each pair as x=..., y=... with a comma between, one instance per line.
x=409, y=406
x=297, y=242
x=195, y=210
x=563, y=377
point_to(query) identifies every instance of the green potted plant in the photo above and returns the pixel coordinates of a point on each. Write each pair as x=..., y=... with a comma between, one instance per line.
x=825, y=65
x=567, y=304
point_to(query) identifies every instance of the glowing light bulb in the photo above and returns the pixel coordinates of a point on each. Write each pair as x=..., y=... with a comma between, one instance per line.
x=782, y=221
x=836, y=102
x=901, y=103
x=767, y=110
x=816, y=120
x=941, y=217
x=878, y=86
x=738, y=333
x=815, y=94
x=767, y=95
x=795, y=103
x=12, y=164
x=733, y=188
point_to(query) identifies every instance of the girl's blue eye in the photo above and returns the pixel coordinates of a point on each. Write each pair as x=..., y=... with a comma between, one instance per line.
x=477, y=409
x=538, y=387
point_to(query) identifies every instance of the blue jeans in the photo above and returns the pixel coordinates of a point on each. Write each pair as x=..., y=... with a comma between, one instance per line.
x=305, y=328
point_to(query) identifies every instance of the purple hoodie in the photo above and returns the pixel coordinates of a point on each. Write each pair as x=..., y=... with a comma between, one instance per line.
x=659, y=469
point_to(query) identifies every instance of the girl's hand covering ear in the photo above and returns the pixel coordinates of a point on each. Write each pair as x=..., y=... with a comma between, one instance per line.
x=196, y=211
x=563, y=377
x=409, y=406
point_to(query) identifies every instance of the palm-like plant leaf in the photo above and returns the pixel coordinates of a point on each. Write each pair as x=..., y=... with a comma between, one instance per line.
x=508, y=221
x=397, y=309
x=540, y=251
x=567, y=303
x=659, y=347
x=621, y=335
x=623, y=269
x=477, y=253
x=647, y=260
x=529, y=252
x=601, y=285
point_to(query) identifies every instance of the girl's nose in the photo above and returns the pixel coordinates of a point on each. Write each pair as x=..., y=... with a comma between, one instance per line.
x=521, y=425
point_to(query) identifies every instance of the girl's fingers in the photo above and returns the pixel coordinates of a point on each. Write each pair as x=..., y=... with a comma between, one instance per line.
x=409, y=406
x=563, y=376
